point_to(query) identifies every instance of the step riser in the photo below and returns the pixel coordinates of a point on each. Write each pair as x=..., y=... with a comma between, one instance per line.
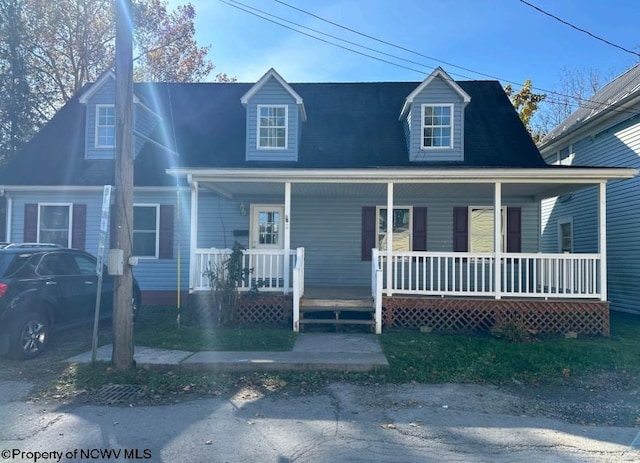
x=336, y=303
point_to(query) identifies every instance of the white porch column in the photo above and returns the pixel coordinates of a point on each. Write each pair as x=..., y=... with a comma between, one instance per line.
x=602, y=238
x=497, y=238
x=193, y=233
x=389, y=252
x=287, y=234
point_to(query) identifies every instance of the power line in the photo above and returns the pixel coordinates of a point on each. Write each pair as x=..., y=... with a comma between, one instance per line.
x=573, y=26
x=315, y=37
x=243, y=5
x=552, y=96
x=582, y=103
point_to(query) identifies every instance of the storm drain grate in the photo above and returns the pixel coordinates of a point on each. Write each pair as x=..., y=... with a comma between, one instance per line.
x=117, y=393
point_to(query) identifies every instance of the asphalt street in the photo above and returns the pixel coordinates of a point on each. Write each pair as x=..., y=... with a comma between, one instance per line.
x=410, y=423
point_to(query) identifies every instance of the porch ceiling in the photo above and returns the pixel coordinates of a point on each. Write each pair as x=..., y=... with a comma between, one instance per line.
x=532, y=191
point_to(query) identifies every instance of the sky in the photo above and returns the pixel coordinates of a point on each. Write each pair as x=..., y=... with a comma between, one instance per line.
x=503, y=40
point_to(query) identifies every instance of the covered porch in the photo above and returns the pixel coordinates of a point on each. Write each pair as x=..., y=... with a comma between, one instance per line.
x=395, y=273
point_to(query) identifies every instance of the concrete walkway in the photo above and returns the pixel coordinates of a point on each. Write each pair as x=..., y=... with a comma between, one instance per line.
x=311, y=352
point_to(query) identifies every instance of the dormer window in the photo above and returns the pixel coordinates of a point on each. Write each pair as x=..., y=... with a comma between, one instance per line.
x=437, y=126
x=105, y=126
x=272, y=127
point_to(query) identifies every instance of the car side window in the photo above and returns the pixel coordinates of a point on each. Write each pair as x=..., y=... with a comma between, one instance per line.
x=86, y=265
x=57, y=264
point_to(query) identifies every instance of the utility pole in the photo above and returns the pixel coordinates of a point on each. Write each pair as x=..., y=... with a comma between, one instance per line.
x=122, y=356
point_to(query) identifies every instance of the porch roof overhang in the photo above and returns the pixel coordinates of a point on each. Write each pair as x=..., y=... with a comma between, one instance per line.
x=537, y=183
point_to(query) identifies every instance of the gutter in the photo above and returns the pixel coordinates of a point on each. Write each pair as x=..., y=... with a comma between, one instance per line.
x=411, y=175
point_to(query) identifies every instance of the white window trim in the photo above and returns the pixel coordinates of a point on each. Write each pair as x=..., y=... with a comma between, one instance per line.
x=286, y=127
x=69, y=225
x=395, y=206
x=157, y=207
x=563, y=221
x=422, y=126
x=97, y=126
x=503, y=225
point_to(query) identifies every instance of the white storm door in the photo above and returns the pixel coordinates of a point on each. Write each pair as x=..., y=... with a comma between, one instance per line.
x=267, y=234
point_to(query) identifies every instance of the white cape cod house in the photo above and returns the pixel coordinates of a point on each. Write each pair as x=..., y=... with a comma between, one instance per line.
x=305, y=176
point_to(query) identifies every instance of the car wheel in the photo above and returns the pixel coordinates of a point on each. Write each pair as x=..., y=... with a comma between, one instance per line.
x=29, y=336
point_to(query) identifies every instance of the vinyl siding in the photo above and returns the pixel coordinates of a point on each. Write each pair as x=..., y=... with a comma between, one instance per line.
x=329, y=228
x=272, y=93
x=143, y=120
x=105, y=95
x=617, y=146
x=152, y=274
x=437, y=92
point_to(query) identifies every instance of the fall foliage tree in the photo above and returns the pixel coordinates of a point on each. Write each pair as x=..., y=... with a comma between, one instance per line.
x=526, y=103
x=50, y=49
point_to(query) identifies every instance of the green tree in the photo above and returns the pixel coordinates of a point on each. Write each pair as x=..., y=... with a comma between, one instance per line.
x=19, y=115
x=526, y=103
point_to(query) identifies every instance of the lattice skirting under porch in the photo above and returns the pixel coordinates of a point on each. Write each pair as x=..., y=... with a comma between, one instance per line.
x=264, y=309
x=258, y=309
x=469, y=315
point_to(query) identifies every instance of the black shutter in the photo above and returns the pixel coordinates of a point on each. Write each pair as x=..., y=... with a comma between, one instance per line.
x=460, y=229
x=79, y=226
x=166, y=232
x=419, y=228
x=30, y=233
x=514, y=229
x=368, y=231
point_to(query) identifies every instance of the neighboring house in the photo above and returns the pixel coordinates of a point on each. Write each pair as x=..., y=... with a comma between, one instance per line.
x=605, y=131
x=304, y=175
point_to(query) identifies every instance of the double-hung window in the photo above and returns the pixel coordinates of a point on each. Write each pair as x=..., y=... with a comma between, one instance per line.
x=146, y=225
x=401, y=229
x=481, y=229
x=437, y=126
x=565, y=235
x=105, y=126
x=54, y=224
x=272, y=127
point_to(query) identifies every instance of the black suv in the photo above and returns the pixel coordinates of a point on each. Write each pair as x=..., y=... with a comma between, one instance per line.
x=43, y=287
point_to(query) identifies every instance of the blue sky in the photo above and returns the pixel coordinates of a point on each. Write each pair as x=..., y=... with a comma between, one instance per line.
x=503, y=39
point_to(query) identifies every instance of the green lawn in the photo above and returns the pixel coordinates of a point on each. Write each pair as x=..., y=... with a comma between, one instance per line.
x=433, y=358
x=413, y=356
x=157, y=327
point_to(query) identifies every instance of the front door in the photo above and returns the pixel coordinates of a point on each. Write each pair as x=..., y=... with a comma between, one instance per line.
x=267, y=234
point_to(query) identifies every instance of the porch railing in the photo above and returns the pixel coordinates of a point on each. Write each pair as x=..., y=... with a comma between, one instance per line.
x=473, y=274
x=268, y=270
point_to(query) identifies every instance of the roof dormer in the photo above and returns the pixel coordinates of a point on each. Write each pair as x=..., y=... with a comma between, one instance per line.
x=433, y=115
x=275, y=113
x=100, y=135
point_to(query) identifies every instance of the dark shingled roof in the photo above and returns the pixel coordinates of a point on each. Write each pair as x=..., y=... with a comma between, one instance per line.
x=349, y=125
